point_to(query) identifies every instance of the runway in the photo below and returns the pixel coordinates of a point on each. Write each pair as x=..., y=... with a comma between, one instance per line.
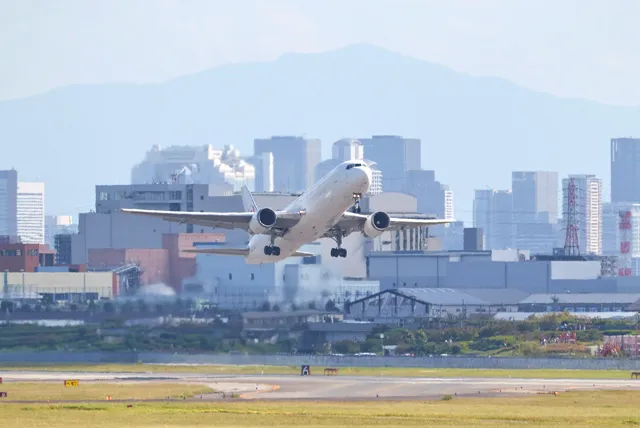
x=318, y=387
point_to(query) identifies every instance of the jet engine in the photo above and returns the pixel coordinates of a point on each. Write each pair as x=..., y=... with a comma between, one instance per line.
x=263, y=220
x=377, y=223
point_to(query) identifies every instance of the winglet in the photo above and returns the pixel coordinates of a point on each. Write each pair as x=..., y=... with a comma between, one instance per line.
x=247, y=200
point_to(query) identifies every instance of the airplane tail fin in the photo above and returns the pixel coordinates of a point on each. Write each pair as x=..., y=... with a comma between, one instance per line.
x=248, y=201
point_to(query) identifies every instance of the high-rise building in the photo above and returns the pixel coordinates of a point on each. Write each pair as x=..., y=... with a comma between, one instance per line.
x=8, y=203
x=294, y=161
x=625, y=170
x=349, y=149
x=30, y=208
x=395, y=156
x=588, y=202
x=493, y=213
x=535, y=210
x=263, y=164
x=194, y=165
x=57, y=224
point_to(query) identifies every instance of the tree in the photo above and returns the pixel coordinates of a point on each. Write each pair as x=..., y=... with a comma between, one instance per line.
x=312, y=305
x=331, y=306
x=266, y=307
x=275, y=308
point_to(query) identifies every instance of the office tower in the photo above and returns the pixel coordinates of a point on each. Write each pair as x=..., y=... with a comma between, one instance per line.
x=347, y=149
x=8, y=203
x=263, y=164
x=535, y=210
x=625, y=170
x=56, y=225
x=493, y=213
x=588, y=202
x=395, y=156
x=195, y=165
x=294, y=161
x=30, y=209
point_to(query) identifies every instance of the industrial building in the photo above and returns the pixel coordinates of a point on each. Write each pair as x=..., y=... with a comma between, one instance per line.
x=21, y=257
x=62, y=286
x=578, y=302
x=421, y=304
x=507, y=269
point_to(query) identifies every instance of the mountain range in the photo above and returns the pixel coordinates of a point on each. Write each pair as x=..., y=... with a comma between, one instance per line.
x=474, y=130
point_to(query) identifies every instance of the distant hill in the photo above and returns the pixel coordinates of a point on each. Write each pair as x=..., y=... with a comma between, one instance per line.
x=475, y=130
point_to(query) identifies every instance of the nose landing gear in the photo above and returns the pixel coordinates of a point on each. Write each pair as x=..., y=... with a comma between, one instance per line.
x=339, y=251
x=356, y=200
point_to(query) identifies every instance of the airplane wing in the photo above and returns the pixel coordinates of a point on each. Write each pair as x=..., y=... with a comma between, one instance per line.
x=352, y=222
x=241, y=220
x=236, y=252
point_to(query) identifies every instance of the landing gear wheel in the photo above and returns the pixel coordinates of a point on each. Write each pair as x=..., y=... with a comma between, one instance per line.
x=339, y=252
x=271, y=250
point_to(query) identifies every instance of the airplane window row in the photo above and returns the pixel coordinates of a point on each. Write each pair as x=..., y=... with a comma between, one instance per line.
x=353, y=165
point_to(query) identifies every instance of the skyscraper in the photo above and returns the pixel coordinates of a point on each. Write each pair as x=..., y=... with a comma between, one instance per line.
x=588, y=195
x=395, y=156
x=625, y=170
x=294, y=161
x=493, y=213
x=535, y=210
x=30, y=208
x=8, y=203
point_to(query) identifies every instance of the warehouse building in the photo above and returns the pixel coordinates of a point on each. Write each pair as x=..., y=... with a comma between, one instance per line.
x=422, y=304
x=578, y=302
x=508, y=269
x=62, y=286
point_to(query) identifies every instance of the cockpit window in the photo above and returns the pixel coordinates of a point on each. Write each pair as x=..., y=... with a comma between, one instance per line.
x=353, y=165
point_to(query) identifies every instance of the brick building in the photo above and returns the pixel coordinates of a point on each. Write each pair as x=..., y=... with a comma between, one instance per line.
x=17, y=257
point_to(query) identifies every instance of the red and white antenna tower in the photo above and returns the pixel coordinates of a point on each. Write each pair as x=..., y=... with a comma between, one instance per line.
x=571, y=243
x=624, y=261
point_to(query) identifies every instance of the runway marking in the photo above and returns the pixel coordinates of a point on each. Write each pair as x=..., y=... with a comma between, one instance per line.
x=249, y=395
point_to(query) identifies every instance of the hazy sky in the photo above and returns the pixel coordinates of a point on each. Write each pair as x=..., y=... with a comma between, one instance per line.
x=576, y=48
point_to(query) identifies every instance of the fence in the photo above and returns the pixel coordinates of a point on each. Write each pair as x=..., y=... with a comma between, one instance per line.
x=322, y=360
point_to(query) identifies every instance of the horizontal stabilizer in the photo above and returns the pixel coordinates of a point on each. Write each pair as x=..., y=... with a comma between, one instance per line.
x=237, y=252
x=226, y=251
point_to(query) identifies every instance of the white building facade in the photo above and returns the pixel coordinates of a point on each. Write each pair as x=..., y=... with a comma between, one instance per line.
x=588, y=195
x=30, y=212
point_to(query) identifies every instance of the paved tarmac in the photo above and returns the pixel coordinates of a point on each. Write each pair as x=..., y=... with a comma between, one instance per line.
x=318, y=387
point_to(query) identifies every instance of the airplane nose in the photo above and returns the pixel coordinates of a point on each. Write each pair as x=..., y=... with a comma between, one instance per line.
x=363, y=177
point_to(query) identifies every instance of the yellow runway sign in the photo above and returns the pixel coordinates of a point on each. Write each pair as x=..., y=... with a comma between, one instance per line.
x=70, y=383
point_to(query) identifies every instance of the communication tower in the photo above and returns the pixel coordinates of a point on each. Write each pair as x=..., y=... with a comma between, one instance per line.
x=571, y=243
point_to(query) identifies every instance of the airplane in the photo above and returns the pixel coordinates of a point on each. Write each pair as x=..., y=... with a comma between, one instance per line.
x=323, y=211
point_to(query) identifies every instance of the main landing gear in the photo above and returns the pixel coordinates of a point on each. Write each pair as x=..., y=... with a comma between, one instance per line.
x=339, y=251
x=356, y=205
x=272, y=250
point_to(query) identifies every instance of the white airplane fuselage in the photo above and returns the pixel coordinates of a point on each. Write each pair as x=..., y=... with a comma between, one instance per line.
x=324, y=203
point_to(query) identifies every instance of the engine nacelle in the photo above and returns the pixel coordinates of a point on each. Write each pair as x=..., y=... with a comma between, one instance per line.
x=263, y=220
x=377, y=223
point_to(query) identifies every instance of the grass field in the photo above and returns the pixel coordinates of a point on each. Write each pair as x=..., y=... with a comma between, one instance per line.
x=352, y=371
x=42, y=391
x=610, y=409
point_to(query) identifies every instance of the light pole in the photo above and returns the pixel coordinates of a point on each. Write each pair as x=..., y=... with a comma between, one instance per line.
x=382, y=343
